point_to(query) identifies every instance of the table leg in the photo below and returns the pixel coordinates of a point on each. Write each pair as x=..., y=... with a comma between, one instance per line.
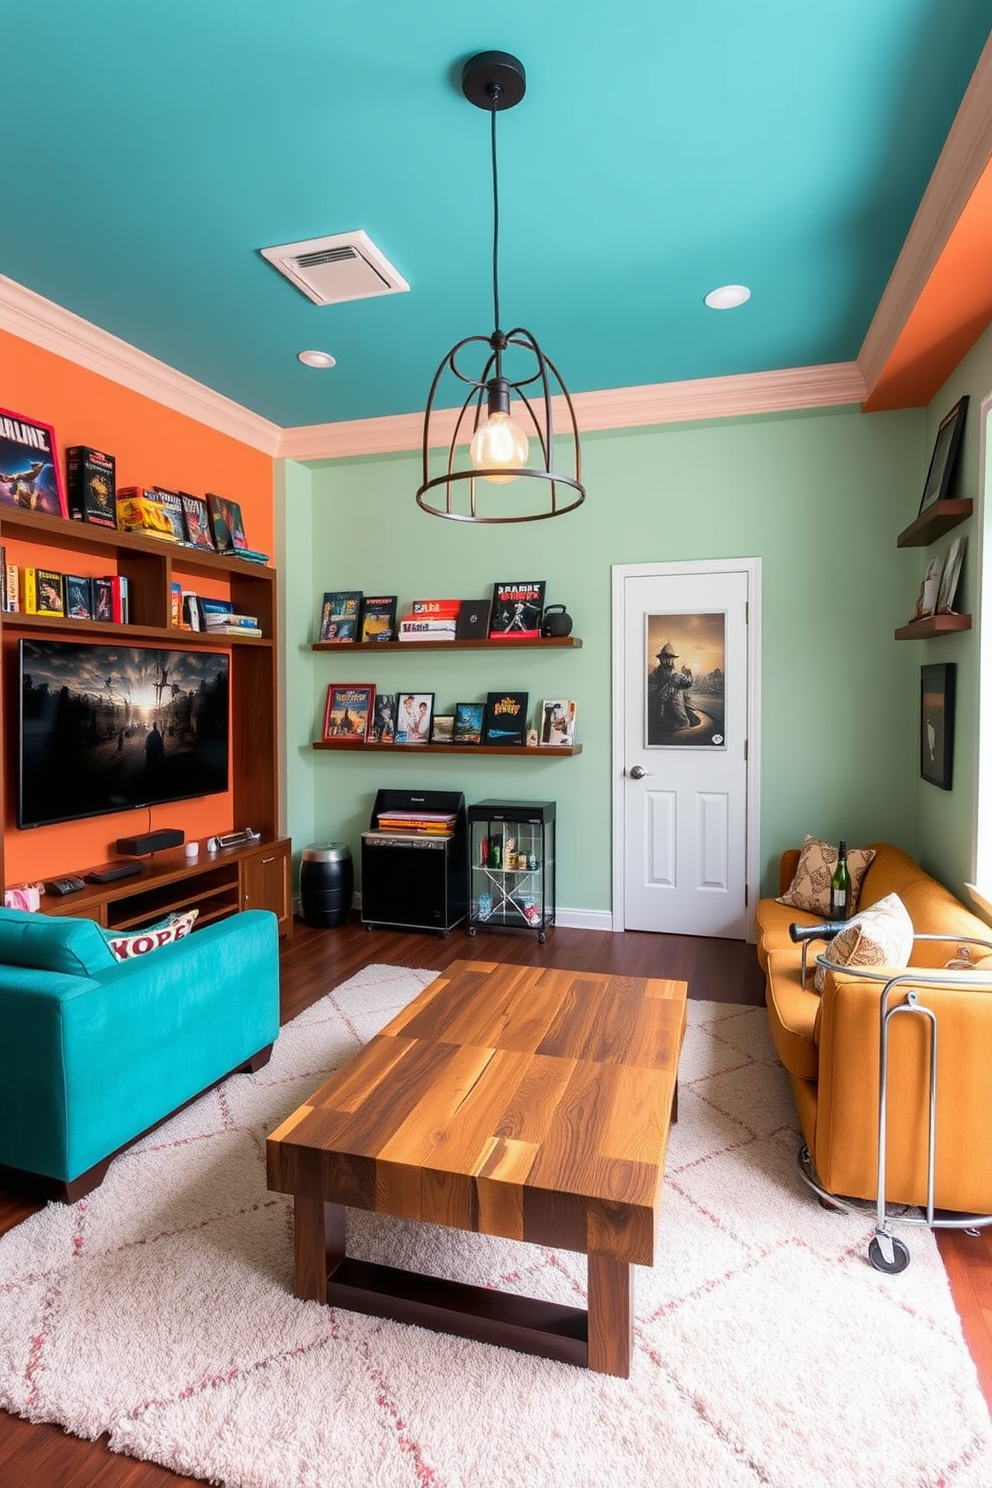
x=611, y=1326
x=318, y=1243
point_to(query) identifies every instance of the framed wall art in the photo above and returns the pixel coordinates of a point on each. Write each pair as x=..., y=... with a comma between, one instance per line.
x=684, y=685
x=937, y=684
x=945, y=454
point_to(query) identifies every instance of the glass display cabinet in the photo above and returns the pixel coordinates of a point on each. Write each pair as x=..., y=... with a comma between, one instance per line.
x=512, y=866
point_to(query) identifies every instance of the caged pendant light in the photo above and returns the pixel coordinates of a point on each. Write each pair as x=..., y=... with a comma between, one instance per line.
x=498, y=465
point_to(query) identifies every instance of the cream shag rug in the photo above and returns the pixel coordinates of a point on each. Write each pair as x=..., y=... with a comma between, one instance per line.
x=768, y=1352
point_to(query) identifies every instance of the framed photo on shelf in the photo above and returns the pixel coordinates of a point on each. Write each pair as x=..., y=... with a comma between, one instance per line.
x=469, y=718
x=347, y=712
x=945, y=454
x=506, y=718
x=950, y=577
x=339, y=615
x=443, y=728
x=517, y=610
x=382, y=723
x=378, y=618
x=557, y=723
x=413, y=719
x=937, y=687
x=30, y=473
x=926, y=600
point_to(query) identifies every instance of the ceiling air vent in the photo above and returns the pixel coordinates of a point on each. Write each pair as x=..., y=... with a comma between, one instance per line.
x=347, y=266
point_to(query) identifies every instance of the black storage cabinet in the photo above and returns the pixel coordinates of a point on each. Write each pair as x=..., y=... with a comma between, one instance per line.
x=512, y=866
x=415, y=882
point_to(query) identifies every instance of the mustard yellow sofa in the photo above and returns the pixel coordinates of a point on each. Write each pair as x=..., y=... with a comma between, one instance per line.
x=829, y=1044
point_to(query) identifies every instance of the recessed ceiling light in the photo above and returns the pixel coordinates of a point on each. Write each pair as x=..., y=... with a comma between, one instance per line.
x=728, y=296
x=315, y=358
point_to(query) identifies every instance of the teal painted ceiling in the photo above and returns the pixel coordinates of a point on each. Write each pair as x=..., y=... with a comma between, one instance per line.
x=149, y=151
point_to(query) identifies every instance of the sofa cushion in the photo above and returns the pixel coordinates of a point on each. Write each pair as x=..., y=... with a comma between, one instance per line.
x=792, y=1010
x=773, y=921
x=53, y=943
x=810, y=888
x=880, y=936
x=127, y=944
x=934, y=910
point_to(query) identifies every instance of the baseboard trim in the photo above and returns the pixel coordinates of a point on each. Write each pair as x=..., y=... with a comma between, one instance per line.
x=584, y=919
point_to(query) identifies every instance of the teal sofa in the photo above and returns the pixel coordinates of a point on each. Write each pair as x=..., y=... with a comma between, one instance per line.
x=95, y=1051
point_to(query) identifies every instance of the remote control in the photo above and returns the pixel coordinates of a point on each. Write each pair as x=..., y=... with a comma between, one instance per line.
x=68, y=885
x=107, y=872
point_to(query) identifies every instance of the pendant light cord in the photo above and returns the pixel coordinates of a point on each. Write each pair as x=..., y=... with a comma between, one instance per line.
x=495, y=92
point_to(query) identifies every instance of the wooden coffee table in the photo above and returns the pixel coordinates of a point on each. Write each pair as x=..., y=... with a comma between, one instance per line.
x=510, y=1100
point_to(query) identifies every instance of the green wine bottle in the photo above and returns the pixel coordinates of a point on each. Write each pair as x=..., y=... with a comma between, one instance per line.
x=840, y=887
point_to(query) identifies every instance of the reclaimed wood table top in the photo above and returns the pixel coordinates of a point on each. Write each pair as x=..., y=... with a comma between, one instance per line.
x=518, y=1101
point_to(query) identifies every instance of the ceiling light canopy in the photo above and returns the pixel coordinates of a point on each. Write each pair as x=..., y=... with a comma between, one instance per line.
x=728, y=296
x=506, y=419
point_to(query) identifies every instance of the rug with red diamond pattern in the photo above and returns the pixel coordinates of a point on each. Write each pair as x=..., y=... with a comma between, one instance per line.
x=768, y=1353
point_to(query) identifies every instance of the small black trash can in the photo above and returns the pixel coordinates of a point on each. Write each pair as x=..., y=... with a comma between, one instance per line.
x=327, y=883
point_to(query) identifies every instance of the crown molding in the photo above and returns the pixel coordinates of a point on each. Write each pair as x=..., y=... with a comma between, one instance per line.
x=965, y=155
x=28, y=315
x=611, y=408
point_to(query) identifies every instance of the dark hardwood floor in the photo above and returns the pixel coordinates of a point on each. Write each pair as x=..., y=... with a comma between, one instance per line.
x=313, y=962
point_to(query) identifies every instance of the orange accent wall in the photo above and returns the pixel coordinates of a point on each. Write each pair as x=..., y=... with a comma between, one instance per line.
x=951, y=313
x=152, y=445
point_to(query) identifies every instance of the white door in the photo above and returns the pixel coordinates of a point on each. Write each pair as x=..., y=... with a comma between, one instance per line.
x=683, y=704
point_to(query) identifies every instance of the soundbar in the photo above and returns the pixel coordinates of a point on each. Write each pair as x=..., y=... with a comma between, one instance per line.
x=149, y=842
x=107, y=872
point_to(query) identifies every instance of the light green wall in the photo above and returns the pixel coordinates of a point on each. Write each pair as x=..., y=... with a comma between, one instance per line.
x=946, y=818
x=818, y=497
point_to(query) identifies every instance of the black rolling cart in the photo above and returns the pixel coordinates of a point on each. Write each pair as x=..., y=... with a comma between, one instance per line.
x=511, y=866
x=414, y=861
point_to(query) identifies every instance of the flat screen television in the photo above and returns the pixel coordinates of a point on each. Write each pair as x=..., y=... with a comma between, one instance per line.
x=108, y=728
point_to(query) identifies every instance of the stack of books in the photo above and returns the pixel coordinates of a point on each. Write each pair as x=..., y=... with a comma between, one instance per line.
x=431, y=620
x=220, y=619
x=417, y=823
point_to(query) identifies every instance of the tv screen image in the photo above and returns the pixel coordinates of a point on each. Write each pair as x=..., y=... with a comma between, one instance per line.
x=108, y=728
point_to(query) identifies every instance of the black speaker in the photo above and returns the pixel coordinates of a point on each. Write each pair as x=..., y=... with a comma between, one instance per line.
x=149, y=842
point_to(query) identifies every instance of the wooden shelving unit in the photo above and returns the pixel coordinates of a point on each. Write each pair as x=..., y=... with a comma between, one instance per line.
x=150, y=567
x=931, y=524
x=932, y=625
x=559, y=643
x=934, y=521
x=535, y=751
x=551, y=643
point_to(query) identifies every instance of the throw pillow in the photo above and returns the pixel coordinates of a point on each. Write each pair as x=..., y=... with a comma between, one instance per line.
x=880, y=936
x=52, y=943
x=810, y=888
x=125, y=946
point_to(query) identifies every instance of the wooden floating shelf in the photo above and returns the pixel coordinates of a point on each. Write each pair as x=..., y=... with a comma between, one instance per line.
x=550, y=643
x=932, y=625
x=546, y=751
x=113, y=630
x=934, y=521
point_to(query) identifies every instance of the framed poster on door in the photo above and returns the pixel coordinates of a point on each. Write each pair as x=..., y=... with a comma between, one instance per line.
x=685, y=680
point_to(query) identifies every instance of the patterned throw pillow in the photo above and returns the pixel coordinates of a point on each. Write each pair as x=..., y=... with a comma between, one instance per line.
x=810, y=888
x=880, y=936
x=139, y=942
